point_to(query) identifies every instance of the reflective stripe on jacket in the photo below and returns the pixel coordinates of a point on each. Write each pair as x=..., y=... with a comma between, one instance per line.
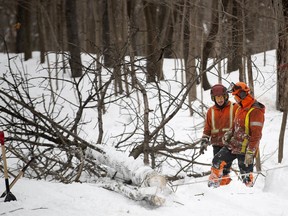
x=218, y=121
x=247, y=135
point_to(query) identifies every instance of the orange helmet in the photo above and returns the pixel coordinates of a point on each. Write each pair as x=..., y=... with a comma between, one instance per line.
x=240, y=89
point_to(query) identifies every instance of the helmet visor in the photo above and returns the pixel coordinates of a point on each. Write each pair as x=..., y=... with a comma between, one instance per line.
x=230, y=88
x=233, y=88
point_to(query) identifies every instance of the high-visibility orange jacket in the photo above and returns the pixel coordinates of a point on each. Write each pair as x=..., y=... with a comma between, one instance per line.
x=247, y=135
x=218, y=122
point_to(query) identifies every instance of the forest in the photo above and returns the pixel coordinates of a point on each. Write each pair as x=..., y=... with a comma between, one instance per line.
x=118, y=36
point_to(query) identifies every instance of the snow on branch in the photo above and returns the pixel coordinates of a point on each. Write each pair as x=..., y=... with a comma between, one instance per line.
x=147, y=184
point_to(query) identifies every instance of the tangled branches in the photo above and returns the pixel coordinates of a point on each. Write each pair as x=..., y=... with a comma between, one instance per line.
x=51, y=118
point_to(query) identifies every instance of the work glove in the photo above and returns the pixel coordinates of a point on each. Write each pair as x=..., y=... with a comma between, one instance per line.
x=204, y=144
x=2, y=137
x=227, y=137
x=249, y=156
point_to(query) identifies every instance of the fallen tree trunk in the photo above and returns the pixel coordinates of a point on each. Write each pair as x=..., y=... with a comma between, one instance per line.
x=146, y=183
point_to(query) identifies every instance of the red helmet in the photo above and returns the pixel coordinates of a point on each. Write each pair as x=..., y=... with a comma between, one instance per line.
x=218, y=90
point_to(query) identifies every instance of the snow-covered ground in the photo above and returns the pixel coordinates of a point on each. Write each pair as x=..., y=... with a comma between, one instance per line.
x=190, y=196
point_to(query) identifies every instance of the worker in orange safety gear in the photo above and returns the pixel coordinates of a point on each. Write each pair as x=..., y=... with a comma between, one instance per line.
x=219, y=120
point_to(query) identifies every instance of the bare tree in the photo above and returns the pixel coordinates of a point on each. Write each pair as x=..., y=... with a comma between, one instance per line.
x=40, y=124
x=73, y=38
x=190, y=55
x=234, y=59
x=282, y=70
x=151, y=143
x=41, y=31
x=23, y=39
x=154, y=53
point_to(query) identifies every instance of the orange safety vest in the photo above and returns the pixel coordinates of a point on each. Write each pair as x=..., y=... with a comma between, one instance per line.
x=218, y=122
x=245, y=134
x=214, y=129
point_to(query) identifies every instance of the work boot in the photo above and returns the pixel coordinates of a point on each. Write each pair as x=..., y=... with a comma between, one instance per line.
x=215, y=176
x=225, y=180
x=248, y=179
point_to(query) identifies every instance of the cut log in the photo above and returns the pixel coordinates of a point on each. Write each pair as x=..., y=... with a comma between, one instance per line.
x=146, y=183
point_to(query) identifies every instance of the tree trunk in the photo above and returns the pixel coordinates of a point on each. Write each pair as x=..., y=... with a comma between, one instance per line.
x=282, y=71
x=107, y=55
x=41, y=31
x=208, y=46
x=154, y=55
x=150, y=185
x=190, y=66
x=23, y=43
x=234, y=59
x=239, y=40
x=250, y=74
x=282, y=57
x=73, y=39
x=98, y=13
x=117, y=14
x=282, y=135
x=242, y=40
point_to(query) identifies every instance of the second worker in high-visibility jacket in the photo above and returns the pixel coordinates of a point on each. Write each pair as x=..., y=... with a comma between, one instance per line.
x=219, y=120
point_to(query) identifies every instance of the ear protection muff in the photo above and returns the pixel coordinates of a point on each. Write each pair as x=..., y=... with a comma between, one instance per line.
x=242, y=94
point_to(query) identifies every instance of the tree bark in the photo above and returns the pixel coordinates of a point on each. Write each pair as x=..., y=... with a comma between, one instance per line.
x=154, y=55
x=282, y=71
x=117, y=14
x=190, y=66
x=282, y=135
x=41, y=31
x=282, y=56
x=23, y=42
x=150, y=185
x=73, y=39
x=208, y=46
x=234, y=59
